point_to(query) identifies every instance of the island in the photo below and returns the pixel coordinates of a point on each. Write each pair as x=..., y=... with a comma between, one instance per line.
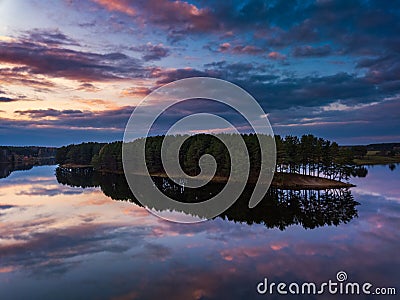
x=305, y=162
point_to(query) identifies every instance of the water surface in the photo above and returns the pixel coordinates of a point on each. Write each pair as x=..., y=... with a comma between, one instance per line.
x=61, y=242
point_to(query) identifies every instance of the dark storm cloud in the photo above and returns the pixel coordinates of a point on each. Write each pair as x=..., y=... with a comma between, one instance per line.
x=152, y=52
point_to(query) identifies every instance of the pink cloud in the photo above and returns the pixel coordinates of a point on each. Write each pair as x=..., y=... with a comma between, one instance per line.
x=135, y=91
x=276, y=55
x=224, y=47
x=239, y=49
x=177, y=14
x=117, y=5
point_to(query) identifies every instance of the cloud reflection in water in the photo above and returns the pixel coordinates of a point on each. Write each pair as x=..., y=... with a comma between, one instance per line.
x=80, y=242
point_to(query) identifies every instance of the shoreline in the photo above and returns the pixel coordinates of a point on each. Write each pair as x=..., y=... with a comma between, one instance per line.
x=281, y=180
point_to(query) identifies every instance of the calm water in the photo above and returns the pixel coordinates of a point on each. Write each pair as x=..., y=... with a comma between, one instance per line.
x=59, y=241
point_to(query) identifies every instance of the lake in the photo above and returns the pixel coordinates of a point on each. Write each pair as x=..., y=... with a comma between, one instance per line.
x=72, y=240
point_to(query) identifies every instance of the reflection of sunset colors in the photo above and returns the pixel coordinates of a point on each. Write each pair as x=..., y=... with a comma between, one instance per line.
x=80, y=235
x=376, y=186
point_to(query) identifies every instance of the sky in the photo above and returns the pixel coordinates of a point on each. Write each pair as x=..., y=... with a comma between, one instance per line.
x=73, y=71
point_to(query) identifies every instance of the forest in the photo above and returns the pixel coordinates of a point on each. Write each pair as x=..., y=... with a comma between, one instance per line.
x=305, y=155
x=22, y=154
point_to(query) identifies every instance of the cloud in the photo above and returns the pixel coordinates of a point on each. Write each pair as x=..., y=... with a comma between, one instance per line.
x=178, y=17
x=136, y=91
x=356, y=27
x=49, y=37
x=224, y=47
x=310, y=51
x=152, y=52
x=277, y=90
x=49, y=250
x=276, y=55
x=99, y=102
x=6, y=206
x=237, y=49
x=115, y=5
x=88, y=87
x=290, y=23
x=267, y=36
x=113, y=119
x=156, y=252
x=20, y=76
x=7, y=99
x=59, y=190
x=281, y=92
x=169, y=75
x=382, y=70
x=42, y=113
x=52, y=61
x=342, y=123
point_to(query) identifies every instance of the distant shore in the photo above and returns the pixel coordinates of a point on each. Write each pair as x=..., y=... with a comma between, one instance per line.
x=377, y=160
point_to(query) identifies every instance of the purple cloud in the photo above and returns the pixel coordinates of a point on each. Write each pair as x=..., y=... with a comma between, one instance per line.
x=310, y=51
x=72, y=64
x=152, y=52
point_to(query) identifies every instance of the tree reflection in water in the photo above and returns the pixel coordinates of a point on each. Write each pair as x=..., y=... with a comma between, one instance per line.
x=278, y=209
x=7, y=168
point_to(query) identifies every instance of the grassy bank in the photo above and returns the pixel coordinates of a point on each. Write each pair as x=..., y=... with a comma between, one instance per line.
x=377, y=160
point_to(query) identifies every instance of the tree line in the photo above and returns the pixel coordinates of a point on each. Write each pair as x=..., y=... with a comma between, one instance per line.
x=307, y=155
x=18, y=154
x=310, y=155
x=80, y=154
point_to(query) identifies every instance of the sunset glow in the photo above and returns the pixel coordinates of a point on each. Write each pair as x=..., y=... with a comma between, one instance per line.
x=80, y=67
